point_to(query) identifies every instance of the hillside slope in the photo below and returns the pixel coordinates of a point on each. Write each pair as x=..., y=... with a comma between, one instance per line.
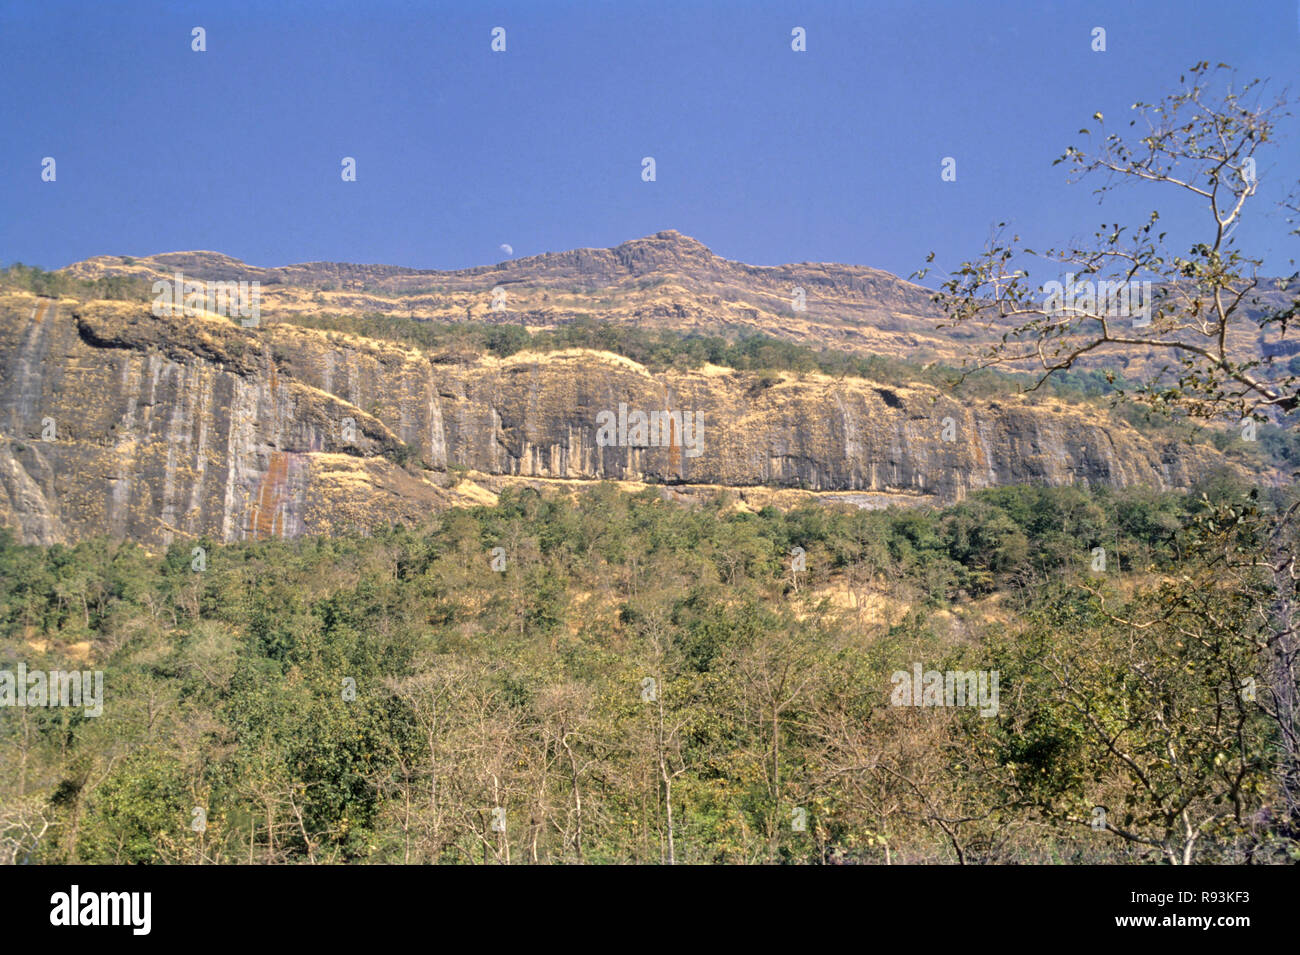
x=666, y=281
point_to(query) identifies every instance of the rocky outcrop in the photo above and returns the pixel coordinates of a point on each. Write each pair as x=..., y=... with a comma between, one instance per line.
x=115, y=421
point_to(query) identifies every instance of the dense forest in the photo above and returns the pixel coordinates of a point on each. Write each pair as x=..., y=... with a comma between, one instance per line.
x=613, y=677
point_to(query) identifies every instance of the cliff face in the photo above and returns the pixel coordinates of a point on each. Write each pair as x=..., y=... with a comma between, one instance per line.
x=160, y=429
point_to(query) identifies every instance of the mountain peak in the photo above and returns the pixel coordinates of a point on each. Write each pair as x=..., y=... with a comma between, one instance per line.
x=676, y=238
x=672, y=239
x=668, y=250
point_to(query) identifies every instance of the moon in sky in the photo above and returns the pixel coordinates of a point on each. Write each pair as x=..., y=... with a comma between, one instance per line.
x=505, y=247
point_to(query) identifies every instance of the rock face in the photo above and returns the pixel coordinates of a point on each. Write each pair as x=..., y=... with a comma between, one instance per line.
x=114, y=421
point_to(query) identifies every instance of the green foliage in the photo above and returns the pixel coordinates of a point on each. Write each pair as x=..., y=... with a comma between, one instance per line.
x=375, y=698
x=32, y=278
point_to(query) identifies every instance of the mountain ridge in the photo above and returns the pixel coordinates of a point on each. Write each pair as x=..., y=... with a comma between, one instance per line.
x=666, y=281
x=135, y=419
x=670, y=239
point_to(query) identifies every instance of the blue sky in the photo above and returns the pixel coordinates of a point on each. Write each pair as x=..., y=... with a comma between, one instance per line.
x=764, y=154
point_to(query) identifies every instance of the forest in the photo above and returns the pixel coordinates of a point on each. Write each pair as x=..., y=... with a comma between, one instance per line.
x=639, y=680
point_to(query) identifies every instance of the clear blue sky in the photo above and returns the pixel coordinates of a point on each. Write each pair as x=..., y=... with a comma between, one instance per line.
x=764, y=154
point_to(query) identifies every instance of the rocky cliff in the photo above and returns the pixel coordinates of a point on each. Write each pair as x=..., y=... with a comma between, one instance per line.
x=114, y=420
